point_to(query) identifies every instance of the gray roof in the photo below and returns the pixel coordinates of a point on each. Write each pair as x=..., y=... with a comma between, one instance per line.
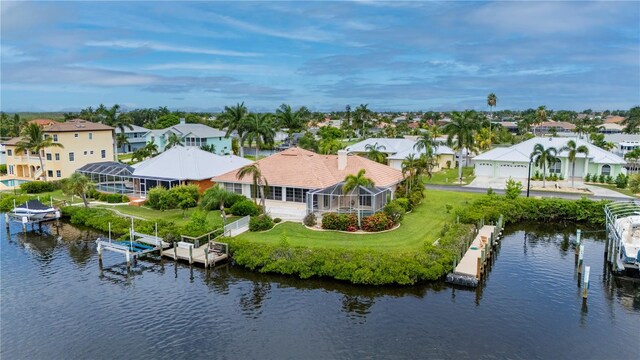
x=522, y=152
x=188, y=163
x=395, y=148
x=200, y=130
x=135, y=129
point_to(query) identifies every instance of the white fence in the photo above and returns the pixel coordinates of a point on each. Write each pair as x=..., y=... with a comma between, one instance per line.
x=237, y=227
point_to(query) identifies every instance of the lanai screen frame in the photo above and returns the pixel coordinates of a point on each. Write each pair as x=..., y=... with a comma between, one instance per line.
x=374, y=199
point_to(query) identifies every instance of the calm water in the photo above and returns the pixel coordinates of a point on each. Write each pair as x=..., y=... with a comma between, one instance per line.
x=56, y=303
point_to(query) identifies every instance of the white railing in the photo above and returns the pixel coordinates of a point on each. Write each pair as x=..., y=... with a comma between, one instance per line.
x=237, y=227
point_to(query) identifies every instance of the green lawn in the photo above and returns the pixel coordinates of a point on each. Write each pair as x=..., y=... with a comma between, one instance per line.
x=424, y=223
x=450, y=176
x=614, y=188
x=174, y=215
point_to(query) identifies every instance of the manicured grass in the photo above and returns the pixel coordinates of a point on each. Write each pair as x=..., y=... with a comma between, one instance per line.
x=450, y=177
x=614, y=188
x=173, y=215
x=423, y=224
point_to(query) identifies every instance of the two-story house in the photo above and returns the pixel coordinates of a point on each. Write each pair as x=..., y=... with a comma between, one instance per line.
x=136, y=138
x=192, y=135
x=83, y=142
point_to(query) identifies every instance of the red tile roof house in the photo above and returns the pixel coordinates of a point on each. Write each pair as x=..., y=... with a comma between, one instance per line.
x=302, y=182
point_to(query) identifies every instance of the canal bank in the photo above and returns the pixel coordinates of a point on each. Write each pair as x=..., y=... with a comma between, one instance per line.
x=529, y=307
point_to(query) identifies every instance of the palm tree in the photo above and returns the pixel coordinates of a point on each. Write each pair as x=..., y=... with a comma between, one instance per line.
x=79, y=185
x=260, y=183
x=542, y=157
x=574, y=150
x=233, y=119
x=122, y=140
x=330, y=146
x=258, y=128
x=354, y=182
x=632, y=121
x=151, y=149
x=426, y=142
x=293, y=121
x=633, y=157
x=541, y=115
x=374, y=153
x=492, y=100
x=462, y=128
x=348, y=113
x=409, y=170
x=362, y=115
x=174, y=140
x=33, y=140
x=484, y=138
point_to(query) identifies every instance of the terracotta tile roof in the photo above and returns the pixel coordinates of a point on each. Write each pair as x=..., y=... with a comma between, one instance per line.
x=77, y=125
x=43, y=122
x=301, y=168
x=12, y=141
x=611, y=119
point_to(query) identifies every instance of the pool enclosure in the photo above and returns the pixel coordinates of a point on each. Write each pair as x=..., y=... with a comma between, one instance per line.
x=367, y=200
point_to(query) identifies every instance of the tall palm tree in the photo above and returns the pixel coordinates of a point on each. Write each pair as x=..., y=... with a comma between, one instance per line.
x=122, y=140
x=79, y=185
x=484, y=138
x=632, y=121
x=362, y=115
x=460, y=134
x=260, y=129
x=330, y=146
x=151, y=149
x=293, y=121
x=426, y=142
x=492, y=101
x=348, y=114
x=541, y=115
x=260, y=183
x=574, y=150
x=233, y=119
x=409, y=170
x=374, y=152
x=354, y=182
x=33, y=140
x=174, y=140
x=542, y=157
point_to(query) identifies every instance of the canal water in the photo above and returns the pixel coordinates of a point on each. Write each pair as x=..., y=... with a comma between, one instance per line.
x=57, y=303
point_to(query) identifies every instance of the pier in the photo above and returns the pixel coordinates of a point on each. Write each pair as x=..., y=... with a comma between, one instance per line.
x=208, y=254
x=138, y=244
x=475, y=260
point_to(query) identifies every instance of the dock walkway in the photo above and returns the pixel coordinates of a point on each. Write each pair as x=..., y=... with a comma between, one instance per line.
x=208, y=254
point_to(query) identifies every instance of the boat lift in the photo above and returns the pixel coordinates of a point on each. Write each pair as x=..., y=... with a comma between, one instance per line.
x=138, y=244
x=27, y=218
x=615, y=214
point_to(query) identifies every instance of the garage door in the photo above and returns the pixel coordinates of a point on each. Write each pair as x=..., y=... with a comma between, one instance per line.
x=484, y=169
x=514, y=170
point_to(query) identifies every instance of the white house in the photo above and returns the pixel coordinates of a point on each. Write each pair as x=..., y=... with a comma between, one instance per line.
x=399, y=149
x=514, y=161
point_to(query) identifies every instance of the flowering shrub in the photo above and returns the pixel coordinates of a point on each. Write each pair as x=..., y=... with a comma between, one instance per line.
x=377, y=222
x=342, y=222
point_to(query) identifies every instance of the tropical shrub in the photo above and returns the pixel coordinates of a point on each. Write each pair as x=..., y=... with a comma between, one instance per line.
x=377, y=222
x=277, y=220
x=621, y=181
x=261, y=222
x=394, y=211
x=490, y=191
x=197, y=224
x=602, y=178
x=634, y=183
x=3, y=169
x=342, y=222
x=37, y=187
x=609, y=179
x=310, y=220
x=183, y=196
x=513, y=189
x=587, y=178
x=244, y=208
x=111, y=198
x=404, y=202
x=211, y=198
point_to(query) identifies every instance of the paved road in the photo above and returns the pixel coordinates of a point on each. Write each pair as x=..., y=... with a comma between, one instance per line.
x=524, y=192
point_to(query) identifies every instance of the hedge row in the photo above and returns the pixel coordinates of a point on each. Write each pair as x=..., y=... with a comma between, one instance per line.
x=359, y=266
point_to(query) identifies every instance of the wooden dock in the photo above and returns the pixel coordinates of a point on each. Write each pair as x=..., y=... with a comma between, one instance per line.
x=208, y=254
x=473, y=264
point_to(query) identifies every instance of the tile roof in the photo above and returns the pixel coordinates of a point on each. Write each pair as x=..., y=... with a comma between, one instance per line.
x=188, y=163
x=12, y=141
x=301, y=168
x=43, y=122
x=76, y=125
x=613, y=119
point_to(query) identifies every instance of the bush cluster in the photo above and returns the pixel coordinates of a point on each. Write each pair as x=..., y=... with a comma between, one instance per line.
x=603, y=179
x=550, y=177
x=395, y=210
x=244, y=208
x=342, y=222
x=261, y=222
x=310, y=220
x=513, y=189
x=37, y=187
x=110, y=198
x=489, y=208
x=377, y=222
x=211, y=198
x=183, y=197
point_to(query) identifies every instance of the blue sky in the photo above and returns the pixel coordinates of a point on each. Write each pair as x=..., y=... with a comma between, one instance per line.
x=392, y=56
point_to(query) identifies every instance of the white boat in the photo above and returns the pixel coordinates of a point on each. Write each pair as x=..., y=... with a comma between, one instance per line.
x=628, y=229
x=33, y=210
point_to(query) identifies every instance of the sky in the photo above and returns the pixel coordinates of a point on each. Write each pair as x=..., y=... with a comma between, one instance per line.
x=395, y=56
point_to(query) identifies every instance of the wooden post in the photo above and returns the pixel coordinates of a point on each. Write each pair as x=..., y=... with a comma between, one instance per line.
x=6, y=220
x=585, y=282
x=128, y=257
x=578, y=236
x=614, y=259
x=175, y=251
x=206, y=257
x=99, y=251
x=190, y=255
x=455, y=262
x=606, y=245
x=580, y=256
x=479, y=268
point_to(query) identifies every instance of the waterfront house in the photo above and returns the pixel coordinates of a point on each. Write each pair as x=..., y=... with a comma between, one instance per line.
x=83, y=142
x=136, y=138
x=398, y=150
x=179, y=165
x=191, y=135
x=301, y=181
x=513, y=161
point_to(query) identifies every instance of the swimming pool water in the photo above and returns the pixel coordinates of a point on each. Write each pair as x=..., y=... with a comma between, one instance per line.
x=12, y=182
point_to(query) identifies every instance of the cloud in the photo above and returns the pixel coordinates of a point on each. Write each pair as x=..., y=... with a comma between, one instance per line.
x=150, y=45
x=305, y=34
x=11, y=54
x=258, y=69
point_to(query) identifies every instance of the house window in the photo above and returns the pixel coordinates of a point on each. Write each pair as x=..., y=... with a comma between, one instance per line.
x=58, y=173
x=10, y=169
x=103, y=153
x=365, y=200
x=72, y=156
x=297, y=195
x=85, y=152
x=91, y=152
x=235, y=188
x=57, y=157
x=9, y=152
x=50, y=173
x=75, y=135
x=275, y=193
x=55, y=137
x=90, y=136
x=555, y=168
x=49, y=156
x=606, y=170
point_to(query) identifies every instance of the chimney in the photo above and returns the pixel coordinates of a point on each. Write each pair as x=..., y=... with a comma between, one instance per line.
x=182, y=122
x=342, y=159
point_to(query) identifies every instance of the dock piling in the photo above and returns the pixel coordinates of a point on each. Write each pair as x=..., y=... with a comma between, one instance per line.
x=585, y=282
x=190, y=255
x=578, y=236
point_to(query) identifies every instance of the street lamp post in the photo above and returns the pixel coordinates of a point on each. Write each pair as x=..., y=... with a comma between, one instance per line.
x=529, y=178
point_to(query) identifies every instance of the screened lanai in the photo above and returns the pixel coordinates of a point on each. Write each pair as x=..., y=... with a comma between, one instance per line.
x=368, y=200
x=110, y=176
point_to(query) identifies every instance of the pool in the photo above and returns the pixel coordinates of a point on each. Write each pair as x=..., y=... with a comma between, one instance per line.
x=12, y=182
